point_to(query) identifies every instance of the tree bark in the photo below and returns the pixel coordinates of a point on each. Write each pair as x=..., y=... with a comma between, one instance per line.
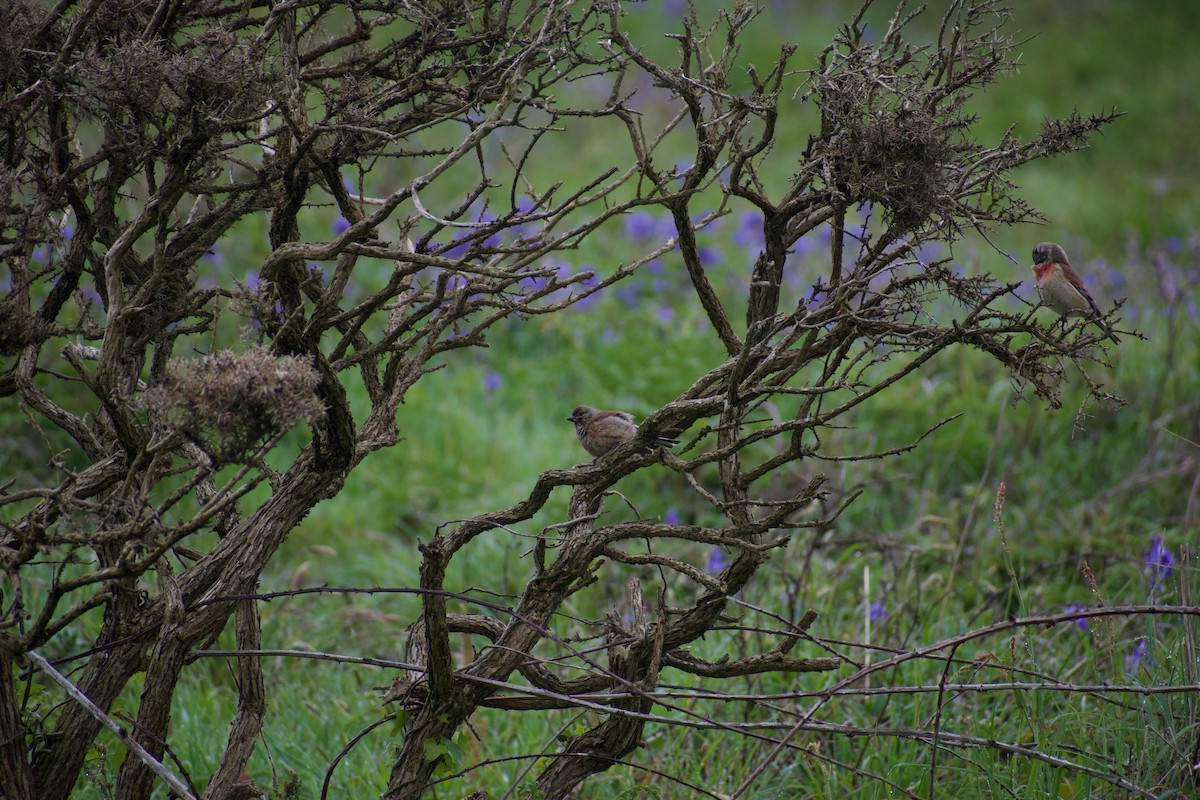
x=15, y=777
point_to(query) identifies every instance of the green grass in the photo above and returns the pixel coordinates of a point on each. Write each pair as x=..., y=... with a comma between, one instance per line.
x=924, y=528
x=1069, y=494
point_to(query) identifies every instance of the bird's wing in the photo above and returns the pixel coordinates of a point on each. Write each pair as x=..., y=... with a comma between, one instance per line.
x=625, y=415
x=1073, y=278
x=1071, y=275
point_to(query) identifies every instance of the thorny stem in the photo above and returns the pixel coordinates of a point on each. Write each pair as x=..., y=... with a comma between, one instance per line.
x=153, y=133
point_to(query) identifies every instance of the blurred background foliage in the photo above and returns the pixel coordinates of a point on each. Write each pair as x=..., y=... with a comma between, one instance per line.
x=920, y=555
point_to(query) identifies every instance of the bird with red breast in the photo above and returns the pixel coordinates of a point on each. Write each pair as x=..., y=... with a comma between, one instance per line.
x=601, y=431
x=1061, y=288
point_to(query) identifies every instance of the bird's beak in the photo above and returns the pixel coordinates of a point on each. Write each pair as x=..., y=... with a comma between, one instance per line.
x=570, y=419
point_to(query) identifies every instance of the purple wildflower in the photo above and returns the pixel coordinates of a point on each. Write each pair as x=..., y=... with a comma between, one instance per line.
x=824, y=235
x=535, y=283
x=805, y=246
x=716, y=561
x=640, y=225
x=491, y=382
x=494, y=239
x=458, y=250
x=340, y=225
x=1107, y=275
x=524, y=229
x=1168, y=280
x=586, y=302
x=930, y=251
x=748, y=232
x=1080, y=622
x=877, y=612
x=629, y=294
x=1158, y=562
x=252, y=280
x=671, y=517
x=90, y=295
x=665, y=314
x=1133, y=658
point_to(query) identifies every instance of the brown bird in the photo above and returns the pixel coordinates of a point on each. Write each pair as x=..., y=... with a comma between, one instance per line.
x=1061, y=288
x=601, y=431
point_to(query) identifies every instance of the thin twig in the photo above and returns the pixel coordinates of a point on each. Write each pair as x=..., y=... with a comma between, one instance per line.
x=155, y=766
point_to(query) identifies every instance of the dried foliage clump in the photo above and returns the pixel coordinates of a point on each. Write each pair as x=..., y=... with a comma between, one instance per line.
x=237, y=401
x=135, y=137
x=878, y=144
x=132, y=83
x=895, y=158
x=895, y=131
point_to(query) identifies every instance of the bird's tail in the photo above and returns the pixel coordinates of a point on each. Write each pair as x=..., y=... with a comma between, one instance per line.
x=660, y=442
x=1098, y=318
x=1107, y=330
